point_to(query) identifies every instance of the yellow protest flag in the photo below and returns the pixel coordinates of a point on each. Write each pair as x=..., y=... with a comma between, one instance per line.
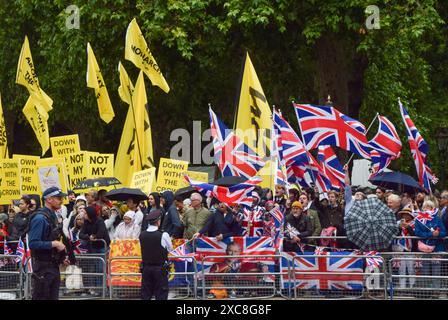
x=253, y=121
x=126, y=87
x=3, y=140
x=135, y=152
x=95, y=80
x=137, y=51
x=38, y=117
x=26, y=76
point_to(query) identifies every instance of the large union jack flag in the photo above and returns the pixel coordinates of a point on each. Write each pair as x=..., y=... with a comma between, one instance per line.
x=249, y=246
x=234, y=195
x=419, y=150
x=331, y=271
x=324, y=125
x=425, y=216
x=331, y=167
x=232, y=155
x=318, y=175
x=380, y=161
x=386, y=140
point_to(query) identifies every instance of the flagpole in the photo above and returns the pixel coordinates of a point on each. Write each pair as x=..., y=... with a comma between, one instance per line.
x=135, y=127
x=274, y=165
x=368, y=129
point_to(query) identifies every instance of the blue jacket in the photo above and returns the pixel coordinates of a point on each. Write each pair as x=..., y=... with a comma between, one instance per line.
x=424, y=231
x=218, y=224
x=39, y=227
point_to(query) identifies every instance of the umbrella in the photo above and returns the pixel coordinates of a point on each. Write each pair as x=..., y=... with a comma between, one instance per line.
x=97, y=182
x=396, y=181
x=370, y=224
x=124, y=194
x=185, y=192
x=229, y=181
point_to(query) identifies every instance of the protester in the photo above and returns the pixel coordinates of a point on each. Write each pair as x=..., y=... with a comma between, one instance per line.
x=4, y=223
x=81, y=198
x=133, y=205
x=297, y=227
x=187, y=204
x=196, y=217
x=433, y=231
x=127, y=229
x=35, y=203
x=102, y=199
x=21, y=219
x=171, y=222
x=69, y=223
x=71, y=200
x=181, y=208
x=111, y=219
x=91, y=198
x=154, y=204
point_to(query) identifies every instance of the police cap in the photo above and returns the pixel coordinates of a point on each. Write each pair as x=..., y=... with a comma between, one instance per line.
x=153, y=216
x=53, y=192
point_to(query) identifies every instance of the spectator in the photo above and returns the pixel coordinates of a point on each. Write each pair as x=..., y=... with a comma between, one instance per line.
x=433, y=231
x=102, y=199
x=381, y=194
x=331, y=214
x=406, y=266
x=171, y=222
x=444, y=212
x=127, y=229
x=35, y=203
x=406, y=200
x=297, y=227
x=394, y=203
x=180, y=207
x=293, y=196
x=4, y=224
x=420, y=198
x=74, y=232
x=69, y=223
x=280, y=196
x=91, y=197
x=314, y=216
x=187, y=204
x=220, y=224
x=81, y=199
x=196, y=217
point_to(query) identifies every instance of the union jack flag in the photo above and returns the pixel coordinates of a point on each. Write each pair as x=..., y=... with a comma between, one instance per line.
x=6, y=249
x=232, y=155
x=425, y=216
x=232, y=196
x=331, y=166
x=319, y=251
x=290, y=150
x=380, y=161
x=317, y=173
x=182, y=251
x=252, y=223
x=405, y=242
x=373, y=260
x=324, y=125
x=386, y=140
x=249, y=246
x=279, y=221
x=419, y=150
x=333, y=271
x=23, y=253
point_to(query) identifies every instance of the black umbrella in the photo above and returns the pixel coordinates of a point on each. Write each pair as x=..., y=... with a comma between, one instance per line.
x=97, y=182
x=229, y=181
x=185, y=192
x=123, y=194
x=397, y=181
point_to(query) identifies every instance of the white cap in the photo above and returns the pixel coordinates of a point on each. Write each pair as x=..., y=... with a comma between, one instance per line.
x=323, y=196
x=81, y=197
x=130, y=214
x=187, y=202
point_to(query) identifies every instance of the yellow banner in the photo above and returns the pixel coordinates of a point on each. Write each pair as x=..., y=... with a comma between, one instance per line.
x=28, y=173
x=95, y=80
x=52, y=173
x=137, y=51
x=254, y=120
x=77, y=167
x=195, y=175
x=37, y=117
x=3, y=140
x=100, y=165
x=170, y=175
x=144, y=180
x=9, y=181
x=65, y=145
x=26, y=76
x=135, y=152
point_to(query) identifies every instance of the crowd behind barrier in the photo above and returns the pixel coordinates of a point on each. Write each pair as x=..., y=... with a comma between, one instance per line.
x=288, y=279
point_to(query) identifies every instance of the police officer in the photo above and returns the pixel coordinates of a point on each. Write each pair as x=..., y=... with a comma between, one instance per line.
x=155, y=246
x=47, y=249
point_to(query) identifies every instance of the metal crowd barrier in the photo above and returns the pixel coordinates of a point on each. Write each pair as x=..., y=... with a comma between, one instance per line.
x=316, y=277
x=88, y=281
x=244, y=277
x=125, y=278
x=11, y=280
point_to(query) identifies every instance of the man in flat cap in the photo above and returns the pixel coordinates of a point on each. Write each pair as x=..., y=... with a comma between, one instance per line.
x=155, y=246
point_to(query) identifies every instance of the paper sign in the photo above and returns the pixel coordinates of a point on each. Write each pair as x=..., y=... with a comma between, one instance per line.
x=170, y=175
x=144, y=180
x=9, y=181
x=100, y=165
x=28, y=173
